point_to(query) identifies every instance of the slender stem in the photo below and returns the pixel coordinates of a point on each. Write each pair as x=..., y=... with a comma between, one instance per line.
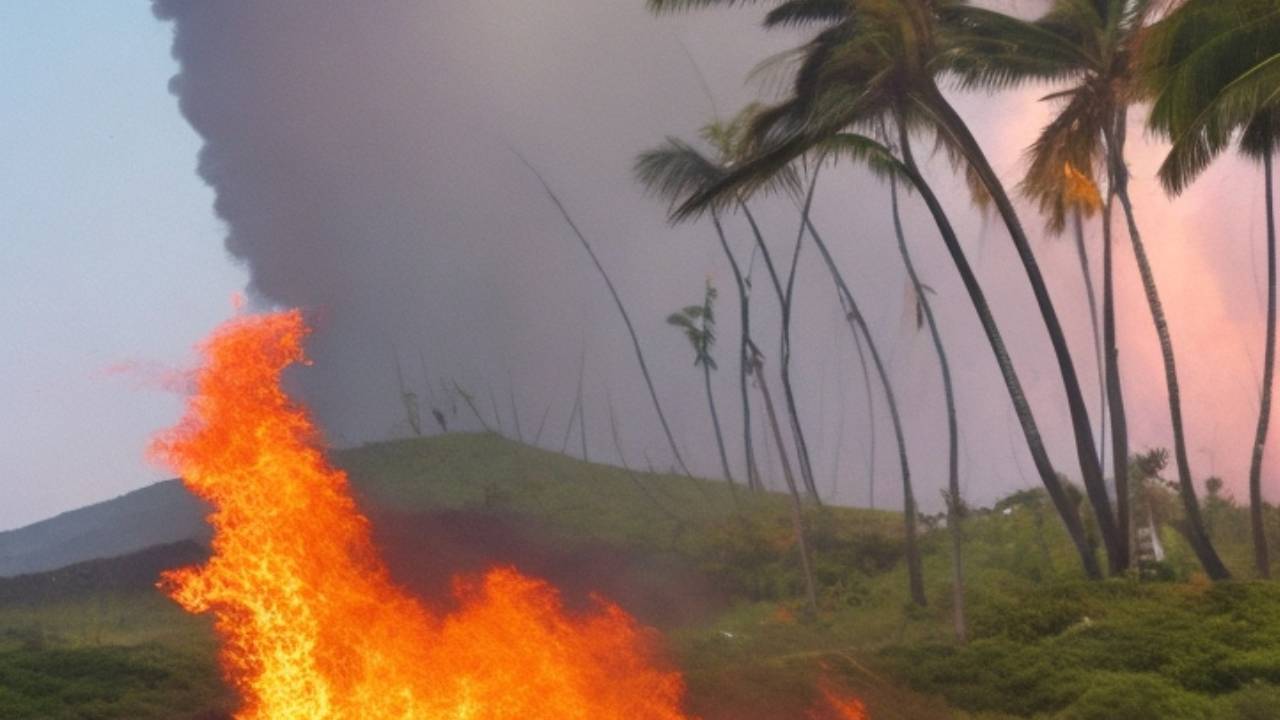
x=1260, y=555
x=744, y=312
x=954, y=503
x=858, y=324
x=1082, y=252
x=797, y=514
x=622, y=310
x=784, y=304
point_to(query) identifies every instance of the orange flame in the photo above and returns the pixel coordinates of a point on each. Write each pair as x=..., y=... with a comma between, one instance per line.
x=846, y=708
x=312, y=627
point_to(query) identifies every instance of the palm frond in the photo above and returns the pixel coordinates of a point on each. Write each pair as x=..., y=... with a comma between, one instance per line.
x=798, y=13
x=676, y=170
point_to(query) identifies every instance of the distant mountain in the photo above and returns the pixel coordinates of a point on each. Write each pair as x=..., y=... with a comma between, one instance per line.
x=159, y=514
x=129, y=573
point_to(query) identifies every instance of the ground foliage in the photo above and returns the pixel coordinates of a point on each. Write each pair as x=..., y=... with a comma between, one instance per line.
x=1045, y=643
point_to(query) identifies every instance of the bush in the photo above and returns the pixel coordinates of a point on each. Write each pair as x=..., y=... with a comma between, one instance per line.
x=1255, y=702
x=1133, y=696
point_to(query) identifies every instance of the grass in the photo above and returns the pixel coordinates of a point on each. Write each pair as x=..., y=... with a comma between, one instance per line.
x=1045, y=643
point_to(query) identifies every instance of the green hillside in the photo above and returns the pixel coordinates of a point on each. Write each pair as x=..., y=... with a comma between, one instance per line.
x=1045, y=644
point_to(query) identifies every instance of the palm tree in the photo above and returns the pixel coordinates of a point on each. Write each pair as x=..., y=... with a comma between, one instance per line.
x=698, y=323
x=1093, y=46
x=874, y=58
x=1214, y=70
x=676, y=171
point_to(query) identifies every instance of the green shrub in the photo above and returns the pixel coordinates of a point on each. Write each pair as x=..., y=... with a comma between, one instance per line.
x=1254, y=702
x=1132, y=696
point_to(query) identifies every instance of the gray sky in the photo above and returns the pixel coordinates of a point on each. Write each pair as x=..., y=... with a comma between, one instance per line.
x=359, y=158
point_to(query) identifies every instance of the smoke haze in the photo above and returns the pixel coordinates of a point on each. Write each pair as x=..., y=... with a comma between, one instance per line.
x=360, y=155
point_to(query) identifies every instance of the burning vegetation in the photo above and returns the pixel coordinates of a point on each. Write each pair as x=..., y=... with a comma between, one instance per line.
x=312, y=626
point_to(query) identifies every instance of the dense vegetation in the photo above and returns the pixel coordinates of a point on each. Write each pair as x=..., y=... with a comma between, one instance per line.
x=1045, y=642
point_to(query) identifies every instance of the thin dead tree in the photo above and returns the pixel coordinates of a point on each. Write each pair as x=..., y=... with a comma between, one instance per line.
x=797, y=511
x=622, y=310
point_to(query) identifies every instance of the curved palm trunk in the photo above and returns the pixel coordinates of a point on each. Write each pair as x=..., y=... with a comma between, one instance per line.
x=802, y=446
x=1026, y=419
x=622, y=310
x=858, y=324
x=797, y=514
x=953, y=434
x=715, y=423
x=1086, y=452
x=1082, y=252
x=784, y=303
x=1196, y=533
x=1260, y=555
x=871, y=420
x=1115, y=392
x=744, y=306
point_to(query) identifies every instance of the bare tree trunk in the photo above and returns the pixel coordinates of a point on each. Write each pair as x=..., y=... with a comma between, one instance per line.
x=412, y=413
x=744, y=310
x=784, y=305
x=1196, y=533
x=915, y=572
x=568, y=429
x=954, y=502
x=542, y=424
x=466, y=397
x=497, y=415
x=1082, y=427
x=582, y=407
x=1260, y=555
x=797, y=514
x=515, y=410
x=1022, y=408
x=871, y=421
x=622, y=310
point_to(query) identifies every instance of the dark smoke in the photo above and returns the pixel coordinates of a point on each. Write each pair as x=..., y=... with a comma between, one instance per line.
x=359, y=155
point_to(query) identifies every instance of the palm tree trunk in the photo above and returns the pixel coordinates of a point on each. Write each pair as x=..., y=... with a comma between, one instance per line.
x=1260, y=555
x=1082, y=252
x=797, y=514
x=622, y=310
x=802, y=447
x=541, y=424
x=1115, y=392
x=784, y=303
x=871, y=421
x=1086, y=452
x=744, y=305
x=1022, y=408
x=1196, y=532
x=715, y=423
x=915, y=573
x=953, y=435
x=515, y=411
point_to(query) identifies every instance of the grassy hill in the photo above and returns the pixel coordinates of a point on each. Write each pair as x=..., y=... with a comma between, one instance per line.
x=720, y=578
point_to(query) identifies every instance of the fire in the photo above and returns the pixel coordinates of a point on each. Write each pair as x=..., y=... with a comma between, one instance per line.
x=312, y=627
x=845, y=708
